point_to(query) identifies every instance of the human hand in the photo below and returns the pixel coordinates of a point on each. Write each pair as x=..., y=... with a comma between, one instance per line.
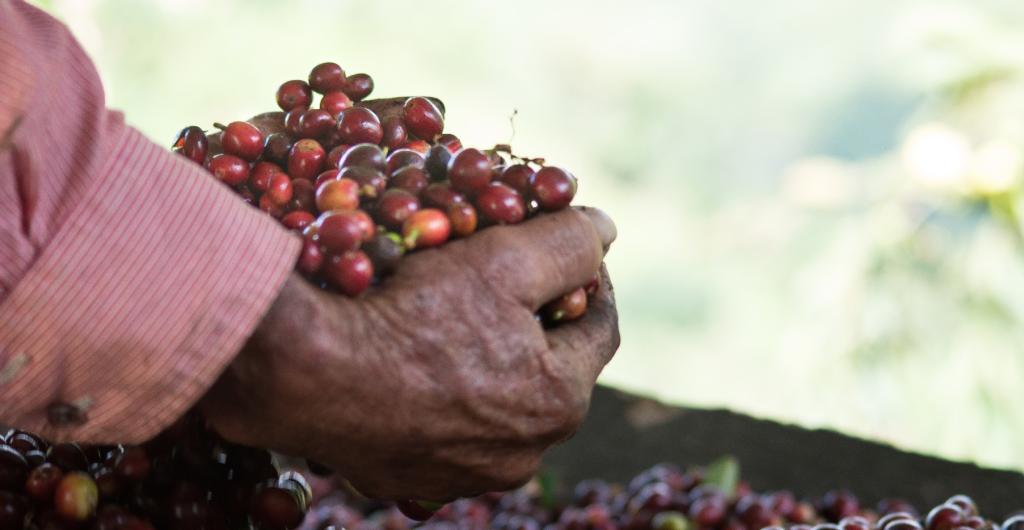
x=439, y=382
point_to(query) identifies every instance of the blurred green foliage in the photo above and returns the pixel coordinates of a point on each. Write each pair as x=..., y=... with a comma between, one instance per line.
x=818, y=202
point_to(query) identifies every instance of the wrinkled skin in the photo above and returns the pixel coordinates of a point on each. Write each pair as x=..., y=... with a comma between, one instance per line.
x=439, y=382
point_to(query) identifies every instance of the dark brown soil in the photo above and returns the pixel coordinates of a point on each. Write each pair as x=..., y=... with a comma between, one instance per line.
x=624, y=434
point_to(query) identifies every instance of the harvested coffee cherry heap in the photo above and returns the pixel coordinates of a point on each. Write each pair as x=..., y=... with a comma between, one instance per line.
x=660, y=498
x=366, y=181
x=187, y=478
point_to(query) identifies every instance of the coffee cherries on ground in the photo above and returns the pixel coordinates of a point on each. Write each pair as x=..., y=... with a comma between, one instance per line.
x=185, y=478
x=663, y=497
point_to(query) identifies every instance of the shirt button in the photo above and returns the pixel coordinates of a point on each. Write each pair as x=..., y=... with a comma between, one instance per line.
x=64, y=415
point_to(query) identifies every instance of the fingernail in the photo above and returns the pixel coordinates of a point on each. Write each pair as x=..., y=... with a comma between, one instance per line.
x=603, y=223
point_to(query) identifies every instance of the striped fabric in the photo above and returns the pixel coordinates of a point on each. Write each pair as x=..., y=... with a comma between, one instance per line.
x=129, y=278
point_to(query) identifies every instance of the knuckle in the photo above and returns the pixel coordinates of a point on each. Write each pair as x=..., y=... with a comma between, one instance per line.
x=566, y=413
x=515, y=472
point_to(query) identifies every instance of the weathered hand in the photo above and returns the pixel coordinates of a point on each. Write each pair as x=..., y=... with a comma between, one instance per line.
x=440, y=382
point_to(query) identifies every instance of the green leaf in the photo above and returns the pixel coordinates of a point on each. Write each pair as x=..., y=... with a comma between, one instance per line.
x=548, y=484
x=723, y=474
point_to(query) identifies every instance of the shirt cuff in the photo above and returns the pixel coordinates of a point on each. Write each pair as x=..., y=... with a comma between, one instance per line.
x=144, y=295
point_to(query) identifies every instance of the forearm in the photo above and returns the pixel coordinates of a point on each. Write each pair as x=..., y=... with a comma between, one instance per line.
x=128, y=278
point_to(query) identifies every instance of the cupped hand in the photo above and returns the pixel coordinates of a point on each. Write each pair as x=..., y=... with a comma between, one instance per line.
x=440, y=382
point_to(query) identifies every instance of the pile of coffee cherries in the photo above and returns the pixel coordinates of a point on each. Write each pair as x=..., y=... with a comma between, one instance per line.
x=365, y=182
x=660, y=498
x=185, y=479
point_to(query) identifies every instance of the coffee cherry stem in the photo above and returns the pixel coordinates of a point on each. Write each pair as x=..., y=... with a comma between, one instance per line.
x=409, y=241
x=507, y=149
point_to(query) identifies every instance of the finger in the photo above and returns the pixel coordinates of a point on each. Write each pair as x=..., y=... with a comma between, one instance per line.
x=602, y=223
x=588, y=344
x=538, y=260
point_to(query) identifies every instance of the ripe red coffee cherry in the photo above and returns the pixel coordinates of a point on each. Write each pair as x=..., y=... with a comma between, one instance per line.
x=339, y=231
x=422, y=118
x=368, y=155
x=498, y=203
x=358, y=86
x=192, y=144
x=891, y=516
x=553, y=188
x=395, y=133
x=229, y=169
x=372, y=183
x=855, y=522
x=327, y=77
x=426, y=228
x=275, y=148
x=325, y=177
x=469, y=171
x=359, y=125
x=837, y=504
x=311, y=258
x=270, y=207
x=332, y=139
x=400, y=158
x=42, y=482
x=518, y=177
x=394, y=207
x=410, y=178
x=76, y=497
x=451, y=142
x=261, y=173
x=292, y=119
x=417, y=145
x=303, y=196
x=944, y=517
x=803, y=512
x=340, y=194
x=709, y=511
x=366, y=225
x=280, y=190
x=567, y=307
x=351, y=272
x=315, y=123
x=306, y=159
x=335, y=102
x=294, y=93
x=243, y=140
x=334, y=157
x=967, y=504
x=440, y=195
x=297, y=220
x=462, y=216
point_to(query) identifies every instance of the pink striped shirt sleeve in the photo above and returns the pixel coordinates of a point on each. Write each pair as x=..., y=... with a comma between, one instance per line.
x=129, y=278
